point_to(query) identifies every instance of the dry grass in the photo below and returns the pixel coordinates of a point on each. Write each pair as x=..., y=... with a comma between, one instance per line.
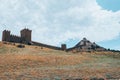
x=34, y=63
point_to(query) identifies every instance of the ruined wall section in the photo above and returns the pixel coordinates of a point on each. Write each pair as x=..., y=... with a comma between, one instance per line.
x=14, y=38
x=45, y=45
x=24, y=38
x=7, y=36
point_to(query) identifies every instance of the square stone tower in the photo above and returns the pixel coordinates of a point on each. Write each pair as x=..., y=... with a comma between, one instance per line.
x=63, y=47
x=26, y=35
x=6, y=35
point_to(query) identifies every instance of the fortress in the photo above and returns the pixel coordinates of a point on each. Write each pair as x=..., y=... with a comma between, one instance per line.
x=25, y=38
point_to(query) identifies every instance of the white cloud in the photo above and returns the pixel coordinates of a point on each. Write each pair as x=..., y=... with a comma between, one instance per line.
x=56, y=21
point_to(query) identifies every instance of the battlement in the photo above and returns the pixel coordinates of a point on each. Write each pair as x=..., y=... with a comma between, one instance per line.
x=24, y=38
x=26, y=29
x=6, y=31
x=14, y=38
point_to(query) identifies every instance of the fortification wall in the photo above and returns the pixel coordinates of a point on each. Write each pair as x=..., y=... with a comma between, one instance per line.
x=15, y=38
x=26, y=38
x=45, y=45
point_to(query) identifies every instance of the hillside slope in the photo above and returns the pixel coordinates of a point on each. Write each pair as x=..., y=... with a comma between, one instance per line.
x=35, y=63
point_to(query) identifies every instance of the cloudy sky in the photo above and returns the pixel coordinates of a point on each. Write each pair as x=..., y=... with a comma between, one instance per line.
x=64, y=21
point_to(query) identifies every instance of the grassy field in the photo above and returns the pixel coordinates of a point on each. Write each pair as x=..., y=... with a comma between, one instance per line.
x=34, y=63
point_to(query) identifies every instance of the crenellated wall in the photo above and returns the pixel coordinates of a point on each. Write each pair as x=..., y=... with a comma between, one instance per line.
x=14, y=38
x=24, y=38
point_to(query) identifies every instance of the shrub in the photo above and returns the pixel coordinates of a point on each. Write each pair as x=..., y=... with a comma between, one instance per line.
x=20, y=46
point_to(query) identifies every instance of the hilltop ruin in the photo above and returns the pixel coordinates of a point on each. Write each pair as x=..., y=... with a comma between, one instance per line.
x=86, y=46
x=25, y=38
x=26, y=35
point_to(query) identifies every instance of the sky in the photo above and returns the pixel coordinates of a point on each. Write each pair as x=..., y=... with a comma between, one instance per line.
x=64, y=21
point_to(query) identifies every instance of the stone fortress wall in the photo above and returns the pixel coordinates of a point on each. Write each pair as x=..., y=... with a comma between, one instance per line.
x=25, y=38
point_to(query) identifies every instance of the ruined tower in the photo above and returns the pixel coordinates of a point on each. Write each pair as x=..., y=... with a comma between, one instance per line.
x=6, y=35
x=26, y=35
x=63, y=46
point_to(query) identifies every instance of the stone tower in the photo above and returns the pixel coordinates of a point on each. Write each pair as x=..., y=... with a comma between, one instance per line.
x=63, y=46
x=6, y=35
x=26, y=35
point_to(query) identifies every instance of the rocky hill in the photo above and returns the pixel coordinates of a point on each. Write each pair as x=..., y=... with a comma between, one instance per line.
x=86, y=46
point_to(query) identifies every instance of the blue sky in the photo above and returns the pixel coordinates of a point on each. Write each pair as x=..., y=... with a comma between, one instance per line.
x=64, y=21
x=113, y=5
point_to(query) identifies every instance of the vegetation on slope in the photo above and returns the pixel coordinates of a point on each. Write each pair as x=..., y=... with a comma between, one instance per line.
x=35, y=63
